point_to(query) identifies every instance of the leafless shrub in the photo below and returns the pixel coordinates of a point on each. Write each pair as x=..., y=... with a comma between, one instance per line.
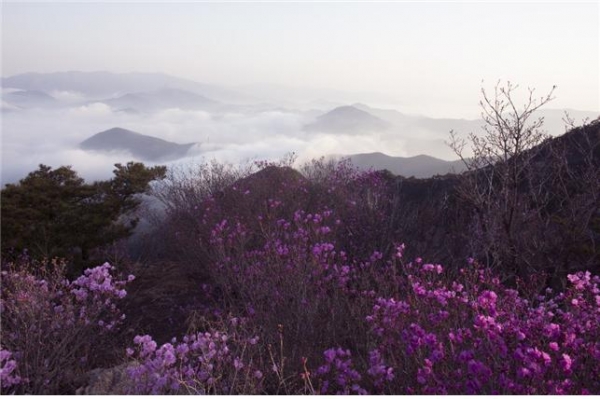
x=533, y=199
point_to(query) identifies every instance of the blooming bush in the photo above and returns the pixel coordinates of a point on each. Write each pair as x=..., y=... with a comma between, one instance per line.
x=337, y=375
x=414, y=328
x=8, y=371
x=53, y=327
x=215, y=362
x=297, y=278
x=288, y=250
x=476, y=336
x=434, y=333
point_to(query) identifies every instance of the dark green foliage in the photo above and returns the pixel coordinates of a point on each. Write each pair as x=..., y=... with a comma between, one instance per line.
x=54, y=213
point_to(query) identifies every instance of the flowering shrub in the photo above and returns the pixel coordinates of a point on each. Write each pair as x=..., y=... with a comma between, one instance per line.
x=287, y=249
x=297, y=278
x=8, y=369
x=216, y=362
x=476, y=336
x=414, y=328
x=437, y=336
x=54, y=327
x=364, y=201
x=308, y=264
x=338, y=375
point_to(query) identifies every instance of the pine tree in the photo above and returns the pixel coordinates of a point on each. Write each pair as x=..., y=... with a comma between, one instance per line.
x=55, y=213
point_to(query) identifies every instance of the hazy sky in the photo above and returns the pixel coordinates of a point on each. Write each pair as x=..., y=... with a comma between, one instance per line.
x=413, y=53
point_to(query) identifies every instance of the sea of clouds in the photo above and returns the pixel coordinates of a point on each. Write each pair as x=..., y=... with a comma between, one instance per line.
x=51, y=136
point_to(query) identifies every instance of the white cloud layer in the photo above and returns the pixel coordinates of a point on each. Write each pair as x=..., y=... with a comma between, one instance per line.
x=51, y=137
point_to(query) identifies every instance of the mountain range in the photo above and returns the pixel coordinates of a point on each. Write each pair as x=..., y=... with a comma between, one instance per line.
x=102, y=84
x=148, y=92
x=29, y=99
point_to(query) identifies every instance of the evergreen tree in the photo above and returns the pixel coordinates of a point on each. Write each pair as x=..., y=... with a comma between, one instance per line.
x=54, y=213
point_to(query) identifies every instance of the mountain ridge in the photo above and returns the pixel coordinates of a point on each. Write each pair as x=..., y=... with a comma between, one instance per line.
x=98, y=84
x=419, y=166
x=163, y=98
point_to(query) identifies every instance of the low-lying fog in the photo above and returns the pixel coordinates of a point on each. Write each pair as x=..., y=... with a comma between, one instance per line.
x=34, y=136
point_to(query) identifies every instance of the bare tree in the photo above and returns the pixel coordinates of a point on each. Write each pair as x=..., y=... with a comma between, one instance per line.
x=497, y=170
x=534, y=200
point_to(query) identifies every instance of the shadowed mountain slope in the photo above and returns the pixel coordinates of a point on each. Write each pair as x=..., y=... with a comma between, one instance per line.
x=556, y=224
x=418, y=166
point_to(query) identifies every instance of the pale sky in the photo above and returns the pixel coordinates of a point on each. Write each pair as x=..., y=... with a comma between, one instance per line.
x=422, y=53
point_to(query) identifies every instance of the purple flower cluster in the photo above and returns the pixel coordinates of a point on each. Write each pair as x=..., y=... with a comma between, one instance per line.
x=379, y=371
x=337, y=375
x=8, y=370
x=43, y=316
x=96, y=293
x=481, y=338
x=214, y=362
x=294, y=255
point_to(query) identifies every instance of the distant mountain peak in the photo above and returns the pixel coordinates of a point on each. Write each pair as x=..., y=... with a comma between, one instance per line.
x=119, y=131
x=348, y=119
x=348, y=110
x=141, y=146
